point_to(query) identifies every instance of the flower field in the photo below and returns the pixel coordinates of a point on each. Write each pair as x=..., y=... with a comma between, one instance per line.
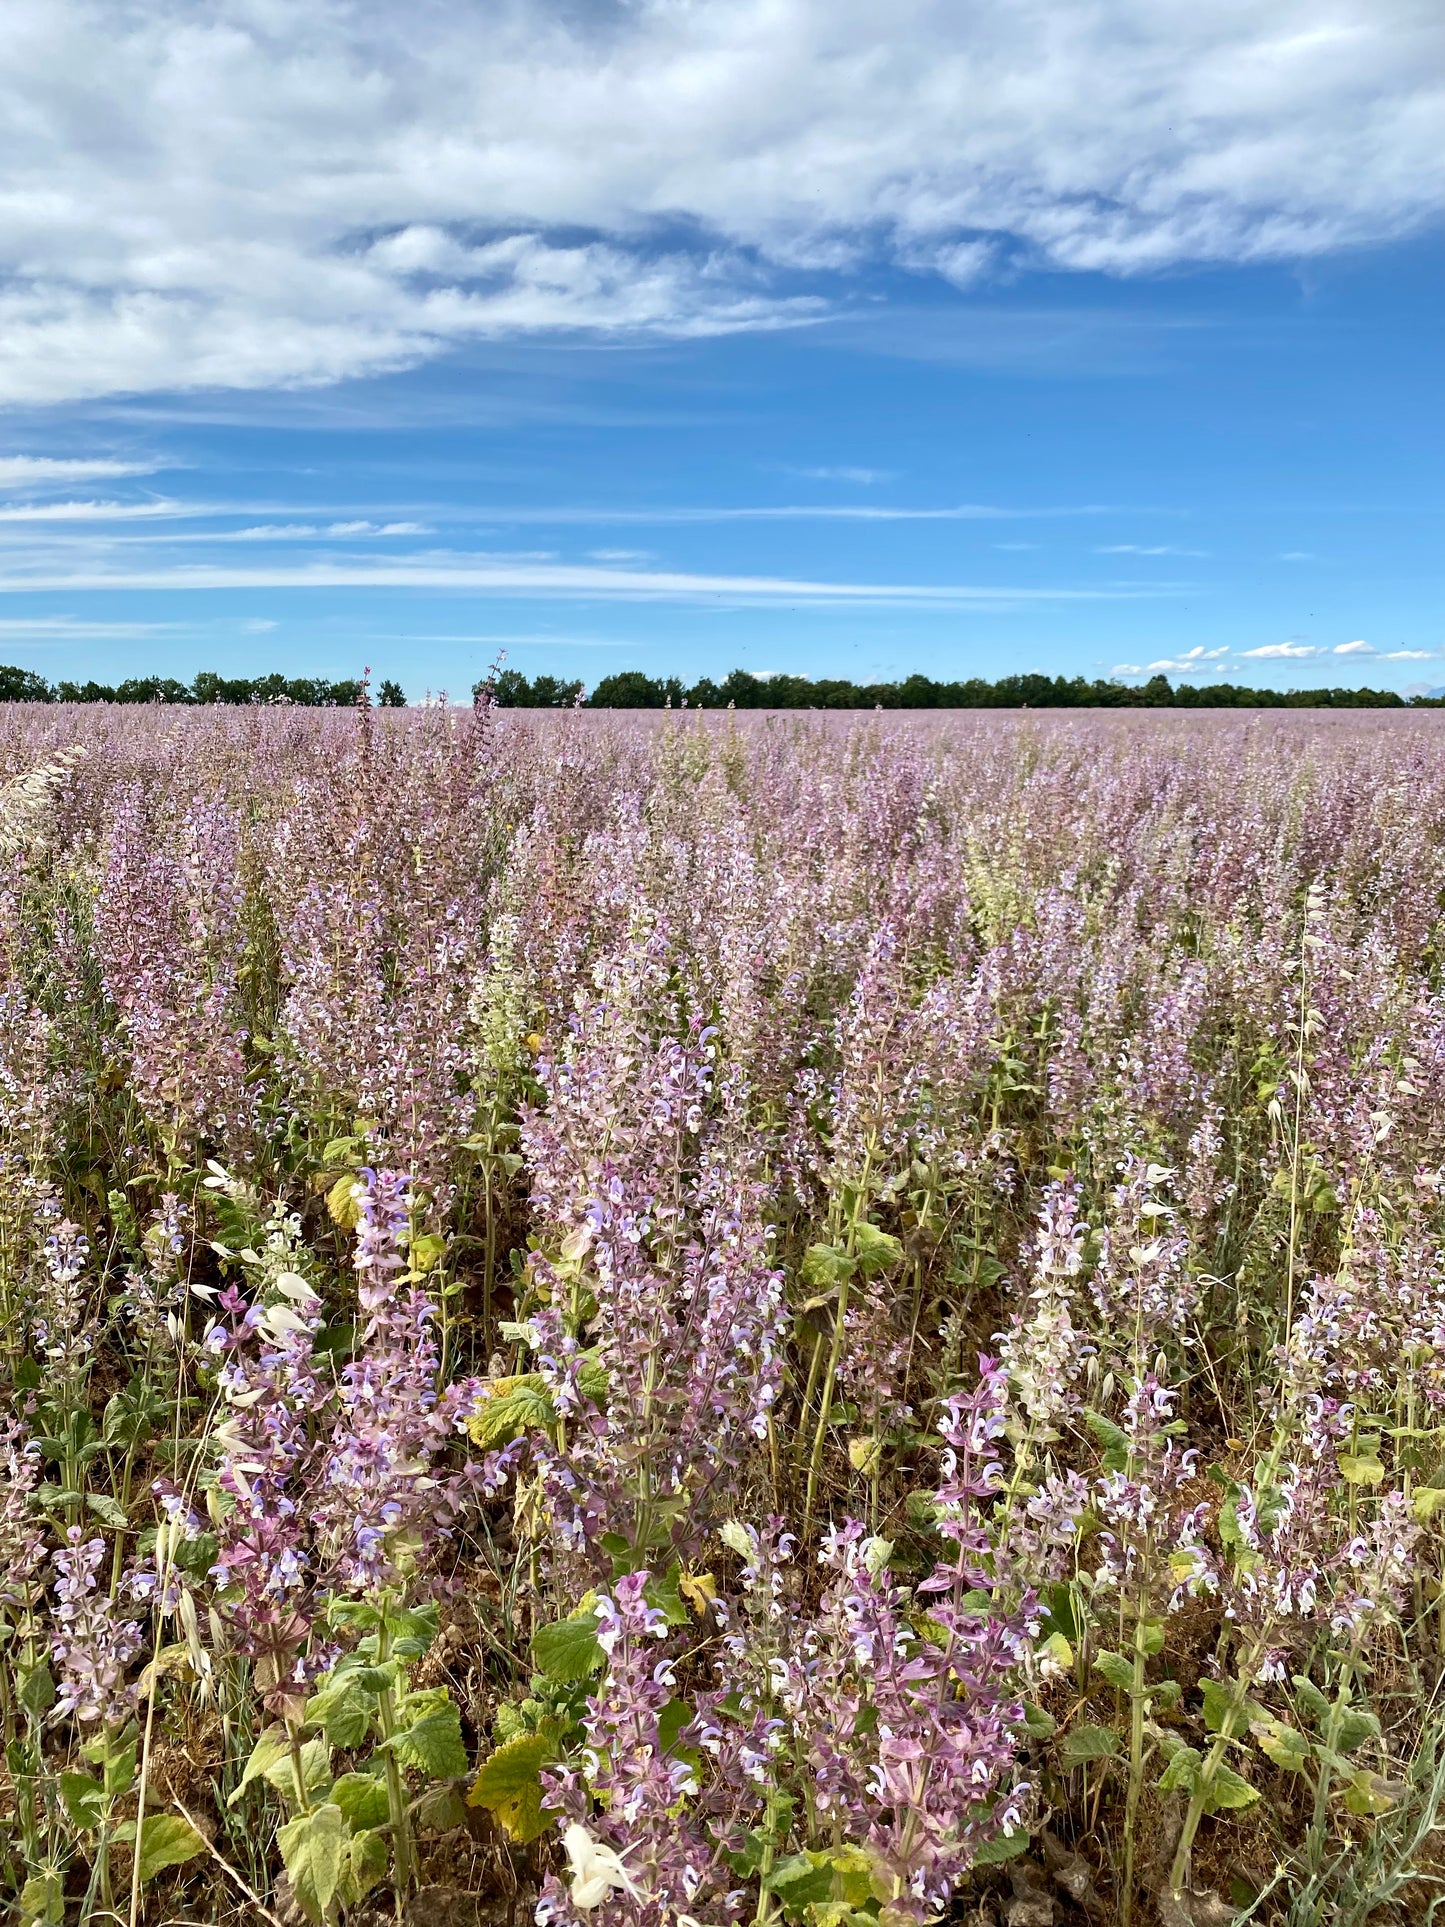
x=713, y=1320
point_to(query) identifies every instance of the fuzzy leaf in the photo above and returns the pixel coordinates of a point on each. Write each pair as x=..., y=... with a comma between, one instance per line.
x=314, y=1848
x=342, y=1709
x=1282, y=1744
x=568, y=1651
x=83, y=1799
x=433, y=1741
x=362, y=1798
x=1182, y=1771
x=1311, y=1699
x=513, y=1406
x=825, y=1265
x=800, y=1881
x=1360, y=1468
x=878, y=1251
x=1088, y=1743
x=1003, y=1846
x=166, y=1840
x=1229, y=1791
x=1355, y=1727
x=365, y=1866
x=509, y=1784
x=1116, y=1669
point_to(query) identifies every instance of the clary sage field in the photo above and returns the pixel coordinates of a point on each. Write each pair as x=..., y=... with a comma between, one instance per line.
x=689, y=1321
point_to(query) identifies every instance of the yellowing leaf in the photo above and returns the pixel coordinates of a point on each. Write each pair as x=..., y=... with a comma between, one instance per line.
x=342, y=1203
x=1356, y=1468
x=509, y=1785
x=699, y=1589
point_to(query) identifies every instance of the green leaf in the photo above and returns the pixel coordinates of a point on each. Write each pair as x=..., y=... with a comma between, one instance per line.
x=1182, y=1771
x=37, y=1691
x=42, y=1900
x=1228, y=1791
x=166, y=1840
x=877, y=1250
x=1003, y=1846
x=1116, y=1669
x=109, y=1511
x=432, y=1742
x=366, y=1856
x=83, y=1799
x=802, y=1880
x=825, y=1265
x=1311, y=1699
x=1038, y=1724
x=664, y=1594
x=568, y=1651
x=271, y=1761
x=314, y=1848
x=342, y=1709
x=514, y=1406
x=1114, y=1441
x=1282, y=1744
x=362, y=1798
x=1355, y=1727
x=1088, y=1743
x=1227, y=1708
x=509, y=1784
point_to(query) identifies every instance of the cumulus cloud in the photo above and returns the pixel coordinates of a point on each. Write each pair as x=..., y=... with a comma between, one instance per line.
x=1189, y=663
x=248, y=194
x=1354, y=649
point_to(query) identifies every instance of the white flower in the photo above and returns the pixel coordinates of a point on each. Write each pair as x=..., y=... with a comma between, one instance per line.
x=596, y=1869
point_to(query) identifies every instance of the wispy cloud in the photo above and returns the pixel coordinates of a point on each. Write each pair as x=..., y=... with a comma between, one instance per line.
x=92, y=511
x=1353, y=649
x=1272, y=651
x=1411, y=655
x=48, y=471
x=1298, y=555
x=1136, y=548
x=302, y=531
x=59, y=629
x=503, y=577
x=862, y=477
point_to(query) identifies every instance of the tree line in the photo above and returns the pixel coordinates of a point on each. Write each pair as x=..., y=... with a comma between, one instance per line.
x=309, y=692
x=632, y=689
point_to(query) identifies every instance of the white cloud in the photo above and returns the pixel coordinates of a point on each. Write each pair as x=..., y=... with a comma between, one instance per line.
x=1354, y=649
x=1134, y=548
x=505, y=575
x=18, y=629
x=1189, y=662
x=90, y=511
x=1297, y=555
x=1410, y=655
x=864, y=477
x=248, y=193
x=1280, y=650
x=45, y=471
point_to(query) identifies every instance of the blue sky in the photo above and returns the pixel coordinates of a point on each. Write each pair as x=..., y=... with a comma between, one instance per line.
x=689, y=338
